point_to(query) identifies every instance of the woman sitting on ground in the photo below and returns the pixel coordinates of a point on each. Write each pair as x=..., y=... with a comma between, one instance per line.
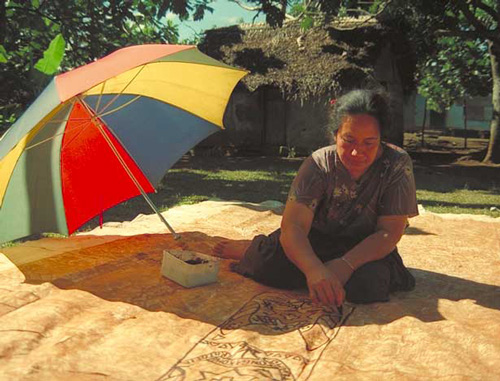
x=347, y=209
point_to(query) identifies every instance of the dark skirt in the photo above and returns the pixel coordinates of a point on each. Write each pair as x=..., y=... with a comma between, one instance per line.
x=266, y=262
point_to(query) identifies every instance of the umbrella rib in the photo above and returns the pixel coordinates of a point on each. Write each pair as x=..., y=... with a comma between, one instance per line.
x=39, y=130
x=100, y=96
x=82, y=119
x=106, y=106
x=43, y=141
x=119, y=107
x=55, y=135
x=80, y=130
x=61, y=133
x=65, y=120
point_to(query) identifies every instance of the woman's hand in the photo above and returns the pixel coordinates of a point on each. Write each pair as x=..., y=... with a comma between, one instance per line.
x=324, y=286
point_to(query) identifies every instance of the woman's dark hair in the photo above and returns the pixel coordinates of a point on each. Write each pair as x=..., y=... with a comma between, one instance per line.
x=371, y=102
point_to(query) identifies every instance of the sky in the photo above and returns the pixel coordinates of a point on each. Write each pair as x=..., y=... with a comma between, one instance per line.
x=225, y=13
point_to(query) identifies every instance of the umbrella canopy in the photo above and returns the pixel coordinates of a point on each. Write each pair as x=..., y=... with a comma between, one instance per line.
x=106, y=132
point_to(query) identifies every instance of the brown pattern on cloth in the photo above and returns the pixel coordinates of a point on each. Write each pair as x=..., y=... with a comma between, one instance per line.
x=77, y=264
x=256, y=342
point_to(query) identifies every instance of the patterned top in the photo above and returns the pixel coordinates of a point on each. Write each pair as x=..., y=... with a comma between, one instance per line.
x=349, y=208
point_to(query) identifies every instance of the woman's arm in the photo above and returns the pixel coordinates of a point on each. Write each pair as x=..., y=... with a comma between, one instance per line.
x=389, y=231
x=295, y=226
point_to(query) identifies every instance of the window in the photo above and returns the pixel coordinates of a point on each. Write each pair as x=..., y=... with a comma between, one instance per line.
x=475, y=113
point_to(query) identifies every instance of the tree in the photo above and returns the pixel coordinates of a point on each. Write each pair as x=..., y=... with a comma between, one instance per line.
x=39, y=38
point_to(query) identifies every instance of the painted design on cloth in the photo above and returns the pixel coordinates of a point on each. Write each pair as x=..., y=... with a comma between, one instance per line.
x=386, y=164
x=408, y=171
x=311, y=204
x=345, y=193
x=343, y=196
x=399, y=196
x=249, y=344
x=308, y=186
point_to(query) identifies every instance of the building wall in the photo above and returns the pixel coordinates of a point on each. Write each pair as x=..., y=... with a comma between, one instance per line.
x=308, y=126
x=479, y=113
x=243, y=122
x=386, y=72
x=409, y=113
x=264, y=121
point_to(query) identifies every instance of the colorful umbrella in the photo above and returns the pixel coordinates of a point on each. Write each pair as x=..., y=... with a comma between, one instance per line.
x=106, y=132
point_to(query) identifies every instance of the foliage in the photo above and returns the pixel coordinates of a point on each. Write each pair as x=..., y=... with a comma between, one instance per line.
x=3, y=54
x=310, y=12
x=39, y=38
x=288, y=152
x=277, y=11
x=52, y=57
x=459, y=68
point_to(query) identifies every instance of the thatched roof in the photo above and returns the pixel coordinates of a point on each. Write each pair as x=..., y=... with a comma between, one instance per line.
x=323, y=59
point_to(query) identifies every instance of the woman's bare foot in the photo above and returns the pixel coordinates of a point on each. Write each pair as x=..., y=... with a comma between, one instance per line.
x=231, y=249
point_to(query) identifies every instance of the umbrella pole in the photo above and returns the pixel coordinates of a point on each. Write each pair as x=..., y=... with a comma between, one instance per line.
x=131, y=175
x=153, y=206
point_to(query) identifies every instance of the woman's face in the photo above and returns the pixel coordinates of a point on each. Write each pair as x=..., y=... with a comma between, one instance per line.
x=358, y=143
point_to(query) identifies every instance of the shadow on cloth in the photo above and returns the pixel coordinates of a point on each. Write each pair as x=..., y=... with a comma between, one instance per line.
x=128, y=271
x=423, y=302
x=416, y=231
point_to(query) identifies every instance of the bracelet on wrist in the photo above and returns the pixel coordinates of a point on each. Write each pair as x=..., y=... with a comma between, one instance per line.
x=348, y=263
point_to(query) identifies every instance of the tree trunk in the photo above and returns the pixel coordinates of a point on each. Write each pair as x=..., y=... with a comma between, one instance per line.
x=3, y=22
x=493, y=153
x=283, y=7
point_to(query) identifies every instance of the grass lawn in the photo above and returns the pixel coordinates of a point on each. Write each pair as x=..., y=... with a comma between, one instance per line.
x=461, y=201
